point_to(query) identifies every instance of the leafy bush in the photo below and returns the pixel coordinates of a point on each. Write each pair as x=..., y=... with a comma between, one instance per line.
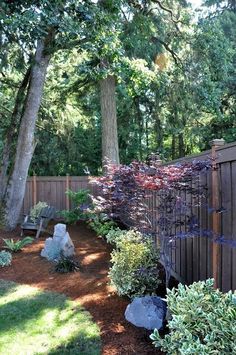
x=134, y=270
x=101, y=224
x=15, y=246
x=117, y=236
x=204, y=321
x=66, y=264
x=5, y=258
x=36, y=209
x=80, y=201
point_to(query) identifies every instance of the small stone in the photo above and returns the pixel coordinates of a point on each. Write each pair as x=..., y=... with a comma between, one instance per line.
x=146, y=312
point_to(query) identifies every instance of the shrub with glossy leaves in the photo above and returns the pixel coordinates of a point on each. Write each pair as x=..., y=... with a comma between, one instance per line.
x=117, y=236
x=134, y=270
x=203, y=321
x=5, y=258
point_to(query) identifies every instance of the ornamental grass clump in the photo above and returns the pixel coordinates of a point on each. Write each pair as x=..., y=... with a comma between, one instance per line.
x=203, y=321
x=134, y=268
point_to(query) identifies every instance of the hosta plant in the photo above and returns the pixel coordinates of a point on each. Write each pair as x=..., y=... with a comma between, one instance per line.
x=15, y=246
x=5, y=258
x=134, y=268
x=203, y=321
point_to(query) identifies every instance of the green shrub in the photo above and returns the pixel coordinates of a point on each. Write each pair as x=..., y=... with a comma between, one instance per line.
x=17, y=245
x=134, y=270
x=36, y=209
x=5, y=258
x=203, y=321
x=101, y=224
x=81, y=204
x=117, y=236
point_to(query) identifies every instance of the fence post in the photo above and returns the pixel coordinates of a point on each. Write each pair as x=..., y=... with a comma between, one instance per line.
x=215, y=215
x=34, y=192
x=67, y=188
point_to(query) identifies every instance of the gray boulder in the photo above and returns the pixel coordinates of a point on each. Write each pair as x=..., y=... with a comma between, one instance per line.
x=147, y=312
x=60, y=243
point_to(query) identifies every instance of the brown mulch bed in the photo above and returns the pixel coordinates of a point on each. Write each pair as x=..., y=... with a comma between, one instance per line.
x=90, y=287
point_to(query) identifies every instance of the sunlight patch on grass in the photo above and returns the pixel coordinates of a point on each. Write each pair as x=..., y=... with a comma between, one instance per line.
x=33, y=322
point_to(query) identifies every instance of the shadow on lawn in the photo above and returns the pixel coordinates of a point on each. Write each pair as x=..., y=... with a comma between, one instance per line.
x=18, y=312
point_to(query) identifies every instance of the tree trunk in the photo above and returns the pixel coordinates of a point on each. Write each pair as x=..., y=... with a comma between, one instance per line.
x=181, y=145
x=7, y=153
x=110, y=148
x=25, y=142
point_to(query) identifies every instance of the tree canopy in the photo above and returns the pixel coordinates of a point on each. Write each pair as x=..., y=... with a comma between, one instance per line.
x=173, y=71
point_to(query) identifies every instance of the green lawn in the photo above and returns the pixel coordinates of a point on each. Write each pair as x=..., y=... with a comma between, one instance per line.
x=38, y=322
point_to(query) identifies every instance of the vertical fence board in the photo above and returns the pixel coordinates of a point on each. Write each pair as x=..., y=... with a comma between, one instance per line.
x=226, y=226
x=233, y=268
x=203, y=240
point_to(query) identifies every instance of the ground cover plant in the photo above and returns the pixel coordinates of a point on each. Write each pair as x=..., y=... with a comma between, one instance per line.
x=203, y=321
x=5, y=258
x=17, y=245
x=39, y=322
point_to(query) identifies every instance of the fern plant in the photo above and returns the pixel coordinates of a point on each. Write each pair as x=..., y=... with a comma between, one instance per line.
x=15, y=246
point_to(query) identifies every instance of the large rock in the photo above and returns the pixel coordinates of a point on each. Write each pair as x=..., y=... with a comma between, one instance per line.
x=59, y=244
x=146, y=312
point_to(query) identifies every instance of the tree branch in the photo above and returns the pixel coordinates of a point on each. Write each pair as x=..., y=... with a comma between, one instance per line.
x=167, y=47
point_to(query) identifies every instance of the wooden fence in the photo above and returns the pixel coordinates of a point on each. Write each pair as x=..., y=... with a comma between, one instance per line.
x=200, y=258
x=193, y=259
x=51, y=189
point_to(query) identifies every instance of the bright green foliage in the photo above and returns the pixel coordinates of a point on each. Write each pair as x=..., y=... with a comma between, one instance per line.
x=117, y=236
x=5, y=258
x=80, y=203
x=36, y=210
x=37, y=322
x=17, y=245
x=101, y=224
x=134, y=268
x=203, y=321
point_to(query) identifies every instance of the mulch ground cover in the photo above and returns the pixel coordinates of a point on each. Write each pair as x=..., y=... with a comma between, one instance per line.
x=89, y=286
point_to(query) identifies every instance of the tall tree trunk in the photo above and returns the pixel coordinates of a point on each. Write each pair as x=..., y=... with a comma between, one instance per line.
x=7, y=153
x=173, y=147
x=181, y=145
x=25, y=142
x=110, y=148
